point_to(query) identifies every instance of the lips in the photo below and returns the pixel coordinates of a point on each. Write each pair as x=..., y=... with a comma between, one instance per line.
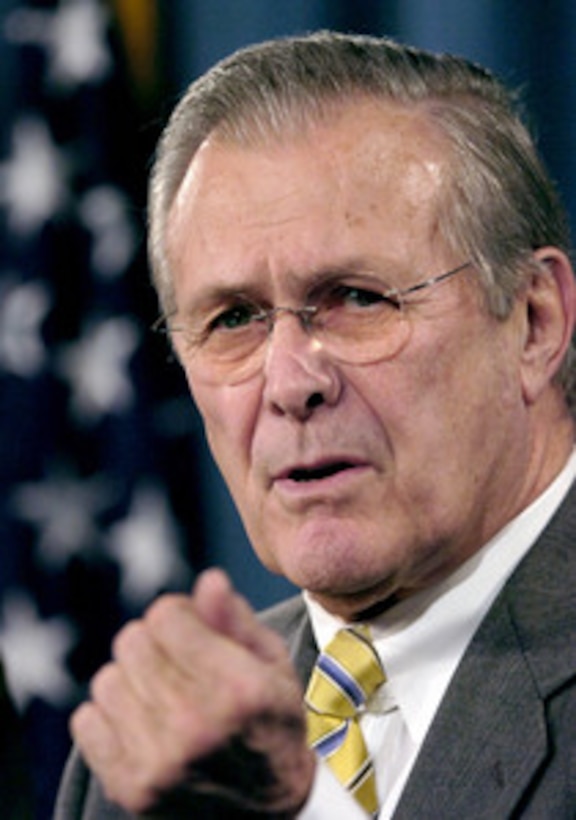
x=322, y=470
x=328, y=479
x=317, y=473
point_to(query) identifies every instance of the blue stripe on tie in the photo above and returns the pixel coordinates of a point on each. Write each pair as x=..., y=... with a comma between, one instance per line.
x=332, y=741
x=342, y=679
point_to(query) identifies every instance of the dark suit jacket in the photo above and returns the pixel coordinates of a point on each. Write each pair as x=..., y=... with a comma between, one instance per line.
x=503, y=744
x=15, y=781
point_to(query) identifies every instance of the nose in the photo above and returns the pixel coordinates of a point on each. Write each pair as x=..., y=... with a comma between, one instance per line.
x=299, y=376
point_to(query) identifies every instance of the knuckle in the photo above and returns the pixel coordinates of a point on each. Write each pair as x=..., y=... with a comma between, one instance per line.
x=104, y=683
x=81, y=721
x=128, y=639
x=161, y=614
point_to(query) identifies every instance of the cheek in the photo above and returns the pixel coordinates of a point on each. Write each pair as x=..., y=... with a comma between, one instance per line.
x=435, y=402
x=466, y=400
x=228, y=415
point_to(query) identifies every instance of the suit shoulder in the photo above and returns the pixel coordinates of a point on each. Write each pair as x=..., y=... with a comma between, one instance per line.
x=285, y=617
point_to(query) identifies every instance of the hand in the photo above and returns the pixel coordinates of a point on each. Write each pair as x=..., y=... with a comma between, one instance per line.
x=200, y=698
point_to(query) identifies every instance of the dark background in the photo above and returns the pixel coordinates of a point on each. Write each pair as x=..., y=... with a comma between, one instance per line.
x=107, y=493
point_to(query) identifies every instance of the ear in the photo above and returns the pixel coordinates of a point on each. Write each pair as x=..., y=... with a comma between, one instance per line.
x=550, y=305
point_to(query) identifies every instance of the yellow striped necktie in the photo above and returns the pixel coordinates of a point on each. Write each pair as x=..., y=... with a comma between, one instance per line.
x=346, y=674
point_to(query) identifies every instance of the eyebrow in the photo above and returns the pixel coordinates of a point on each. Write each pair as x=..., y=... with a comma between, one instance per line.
x=307, y=282
x=218, y=295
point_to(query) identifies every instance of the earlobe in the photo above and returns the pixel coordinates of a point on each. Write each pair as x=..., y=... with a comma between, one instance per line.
x=550, y=304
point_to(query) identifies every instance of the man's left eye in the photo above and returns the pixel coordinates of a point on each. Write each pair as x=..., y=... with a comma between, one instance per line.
x=355, y=296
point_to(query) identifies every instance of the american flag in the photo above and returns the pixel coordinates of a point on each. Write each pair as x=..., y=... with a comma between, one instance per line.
x=92, y=422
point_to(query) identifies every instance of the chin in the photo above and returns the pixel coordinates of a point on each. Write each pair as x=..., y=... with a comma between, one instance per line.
x=333, y=558
x=359, y=605
x=344, y=588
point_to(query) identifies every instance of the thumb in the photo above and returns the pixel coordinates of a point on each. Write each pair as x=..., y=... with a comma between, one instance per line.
x=225, y=611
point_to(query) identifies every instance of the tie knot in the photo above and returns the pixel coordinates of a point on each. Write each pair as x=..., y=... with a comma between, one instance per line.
x=346, y=674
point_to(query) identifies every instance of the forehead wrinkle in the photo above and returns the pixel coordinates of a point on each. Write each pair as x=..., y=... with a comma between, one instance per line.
x=291, y=284
x=279, y=251
x=300, y=284
x=214, y=295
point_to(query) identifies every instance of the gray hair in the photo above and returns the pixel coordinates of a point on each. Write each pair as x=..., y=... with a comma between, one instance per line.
x=500, y=204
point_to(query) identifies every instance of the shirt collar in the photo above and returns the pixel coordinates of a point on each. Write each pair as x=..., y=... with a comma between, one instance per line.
x=422, y=640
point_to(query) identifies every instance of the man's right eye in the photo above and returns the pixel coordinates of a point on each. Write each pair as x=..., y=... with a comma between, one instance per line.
x=233, y=318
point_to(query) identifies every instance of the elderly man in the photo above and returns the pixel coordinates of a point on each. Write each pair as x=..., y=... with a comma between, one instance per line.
x=364, y=272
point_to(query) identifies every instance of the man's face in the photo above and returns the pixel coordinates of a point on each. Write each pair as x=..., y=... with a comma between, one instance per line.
x=355, y=481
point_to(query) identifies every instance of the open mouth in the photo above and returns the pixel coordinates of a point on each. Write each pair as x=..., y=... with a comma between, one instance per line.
x=318, y=473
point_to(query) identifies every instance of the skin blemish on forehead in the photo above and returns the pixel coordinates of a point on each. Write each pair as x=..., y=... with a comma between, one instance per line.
x=396, y=158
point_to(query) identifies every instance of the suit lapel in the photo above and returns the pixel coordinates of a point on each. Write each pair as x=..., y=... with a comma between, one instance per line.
x=290, y=619
x=488, y=738
x=490, y=735
x=15, y=794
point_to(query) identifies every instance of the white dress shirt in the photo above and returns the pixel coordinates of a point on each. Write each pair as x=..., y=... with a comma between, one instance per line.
x=420, y=642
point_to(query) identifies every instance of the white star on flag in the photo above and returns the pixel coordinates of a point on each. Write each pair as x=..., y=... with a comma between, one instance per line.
x=64, y=509
x=96, y=367
x=23, y=308
x=103, y=211
x=34, y=651
x=32, y=179
x=74, y=37
x=146, y=546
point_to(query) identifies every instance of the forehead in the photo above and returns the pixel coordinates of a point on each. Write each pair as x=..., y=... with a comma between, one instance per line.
x=366, y=180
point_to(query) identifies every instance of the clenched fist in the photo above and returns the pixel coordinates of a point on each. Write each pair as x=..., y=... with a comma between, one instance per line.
x=199, y=698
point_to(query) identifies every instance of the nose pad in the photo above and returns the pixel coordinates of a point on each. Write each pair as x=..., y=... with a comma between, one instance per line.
x=299, y=375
